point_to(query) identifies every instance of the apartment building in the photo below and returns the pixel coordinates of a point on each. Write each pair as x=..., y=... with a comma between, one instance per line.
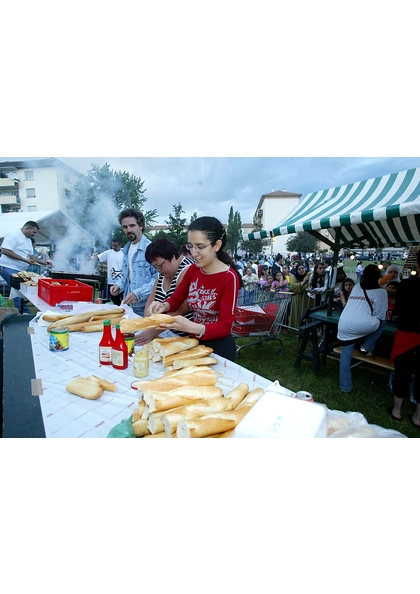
x=36, y=185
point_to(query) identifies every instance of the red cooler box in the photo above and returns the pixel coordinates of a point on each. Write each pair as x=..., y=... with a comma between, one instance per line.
x=55, y=291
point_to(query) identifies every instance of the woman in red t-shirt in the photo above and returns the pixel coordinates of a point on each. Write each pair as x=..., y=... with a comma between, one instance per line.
x=211, y=287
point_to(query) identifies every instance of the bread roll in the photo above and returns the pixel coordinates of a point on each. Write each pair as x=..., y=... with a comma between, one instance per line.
x=211, y=424
x=85, y=388
x=182, y=363
x=156, y=435
x=177, y=346
x=157, y=401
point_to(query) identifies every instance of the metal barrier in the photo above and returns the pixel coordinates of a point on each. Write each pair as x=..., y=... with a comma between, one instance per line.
x=297, y=304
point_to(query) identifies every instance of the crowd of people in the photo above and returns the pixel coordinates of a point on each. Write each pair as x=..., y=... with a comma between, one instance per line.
x=201, y=284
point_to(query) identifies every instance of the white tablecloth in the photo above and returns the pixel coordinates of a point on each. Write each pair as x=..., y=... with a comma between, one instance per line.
x=67, y=415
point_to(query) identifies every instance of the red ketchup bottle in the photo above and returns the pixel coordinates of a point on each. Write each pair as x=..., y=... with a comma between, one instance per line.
x=105, y=346
x=119, y=350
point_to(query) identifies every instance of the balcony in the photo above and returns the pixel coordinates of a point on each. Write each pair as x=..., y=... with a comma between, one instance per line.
x=8, y=199
x=8, y=184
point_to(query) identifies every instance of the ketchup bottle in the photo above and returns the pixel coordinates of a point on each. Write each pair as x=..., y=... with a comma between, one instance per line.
x=105, y=346
x=119, y=350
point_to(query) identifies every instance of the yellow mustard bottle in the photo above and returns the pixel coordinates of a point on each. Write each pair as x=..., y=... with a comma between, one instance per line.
x=141, y=363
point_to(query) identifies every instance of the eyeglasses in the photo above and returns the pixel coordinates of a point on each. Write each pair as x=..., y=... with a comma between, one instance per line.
x=199, y=247
x=159, y=266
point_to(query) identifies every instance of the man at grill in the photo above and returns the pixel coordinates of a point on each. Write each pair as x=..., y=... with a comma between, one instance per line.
x=17, y=255
x=138, y=276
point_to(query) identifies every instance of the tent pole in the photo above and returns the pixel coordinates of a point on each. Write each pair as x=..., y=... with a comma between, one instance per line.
x=336, y=250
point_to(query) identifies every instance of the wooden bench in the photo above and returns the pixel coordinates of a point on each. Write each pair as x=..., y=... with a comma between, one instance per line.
x=377, y=361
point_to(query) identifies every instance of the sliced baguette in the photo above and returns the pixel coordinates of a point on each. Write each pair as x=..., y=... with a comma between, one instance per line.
x=182, y=363
x=85, y=388
x=105, y=384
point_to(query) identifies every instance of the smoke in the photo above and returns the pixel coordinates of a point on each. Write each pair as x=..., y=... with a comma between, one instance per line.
x=74, y=251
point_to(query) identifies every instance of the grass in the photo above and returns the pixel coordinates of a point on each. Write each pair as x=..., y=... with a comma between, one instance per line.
x=371, y=395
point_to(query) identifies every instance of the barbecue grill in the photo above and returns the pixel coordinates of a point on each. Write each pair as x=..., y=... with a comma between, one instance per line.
x=97, y=280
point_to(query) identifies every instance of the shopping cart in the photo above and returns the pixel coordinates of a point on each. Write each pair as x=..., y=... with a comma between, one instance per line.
x=262, y=320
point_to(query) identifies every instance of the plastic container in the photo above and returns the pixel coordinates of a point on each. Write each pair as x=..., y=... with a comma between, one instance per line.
x=55, y=291
x=105, y=345
x=141, y=363
x=119, y=350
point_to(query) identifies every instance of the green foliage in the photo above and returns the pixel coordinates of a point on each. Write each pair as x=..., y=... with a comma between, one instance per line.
x=177, y=227
x=255, y=246
x=302, y=242
x=234, y=231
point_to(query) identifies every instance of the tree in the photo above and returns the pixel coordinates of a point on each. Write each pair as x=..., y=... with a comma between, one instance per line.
x=99, y=197
x=302, y=242
x=255, y=246
x=177, y=227
x=234, y=231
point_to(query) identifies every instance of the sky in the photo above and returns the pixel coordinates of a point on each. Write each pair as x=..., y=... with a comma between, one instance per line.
x=211, y=186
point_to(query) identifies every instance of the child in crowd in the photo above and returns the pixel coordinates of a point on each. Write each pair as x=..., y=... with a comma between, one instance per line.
x=346, y=289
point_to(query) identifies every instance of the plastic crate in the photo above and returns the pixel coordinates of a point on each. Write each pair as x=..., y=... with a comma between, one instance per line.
x=65, y=290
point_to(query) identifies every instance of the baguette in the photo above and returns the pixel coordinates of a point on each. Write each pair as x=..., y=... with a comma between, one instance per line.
x=194, y=353
x=181, y=364
x=237, y=395
x=84, y=326
x=140, y=428
x=137, y=324
x=177, y=346
x=211, y=424
x=171, y=418
x=85, y=388
x=157, y=342
x=157, y=400
x=251, y=398
x=86, y=316
x=105, y=384
x=193, y=380
x=55, y=317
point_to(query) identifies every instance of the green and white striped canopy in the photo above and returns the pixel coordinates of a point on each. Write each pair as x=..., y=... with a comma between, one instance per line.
x=379, y=212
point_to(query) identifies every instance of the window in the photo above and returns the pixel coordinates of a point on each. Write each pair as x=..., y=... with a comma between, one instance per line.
x=67, y=178
x=67, y=194
x=29, y=175
x=31, y=208
x=30, y=193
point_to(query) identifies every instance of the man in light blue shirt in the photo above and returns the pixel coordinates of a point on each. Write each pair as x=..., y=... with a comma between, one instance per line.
x=138, y=276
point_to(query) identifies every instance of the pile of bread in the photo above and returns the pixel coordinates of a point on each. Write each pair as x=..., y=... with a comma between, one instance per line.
x=30, y=279
x=93, y=321
x=185, y=401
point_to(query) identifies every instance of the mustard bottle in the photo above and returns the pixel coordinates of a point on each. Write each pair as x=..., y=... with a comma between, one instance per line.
x=141, y=363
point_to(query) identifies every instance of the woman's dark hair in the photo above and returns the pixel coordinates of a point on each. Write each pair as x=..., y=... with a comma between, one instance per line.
x=341, y=275
x=132, y=212
x=316, y=277
x=343, y=290
x=162, y=248
x=370, y=277
x=214, y=230
x=184, y=251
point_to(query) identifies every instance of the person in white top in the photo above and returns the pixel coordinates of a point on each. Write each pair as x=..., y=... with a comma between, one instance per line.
x=17, y=254
x=363, y=316
x=113, y=258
